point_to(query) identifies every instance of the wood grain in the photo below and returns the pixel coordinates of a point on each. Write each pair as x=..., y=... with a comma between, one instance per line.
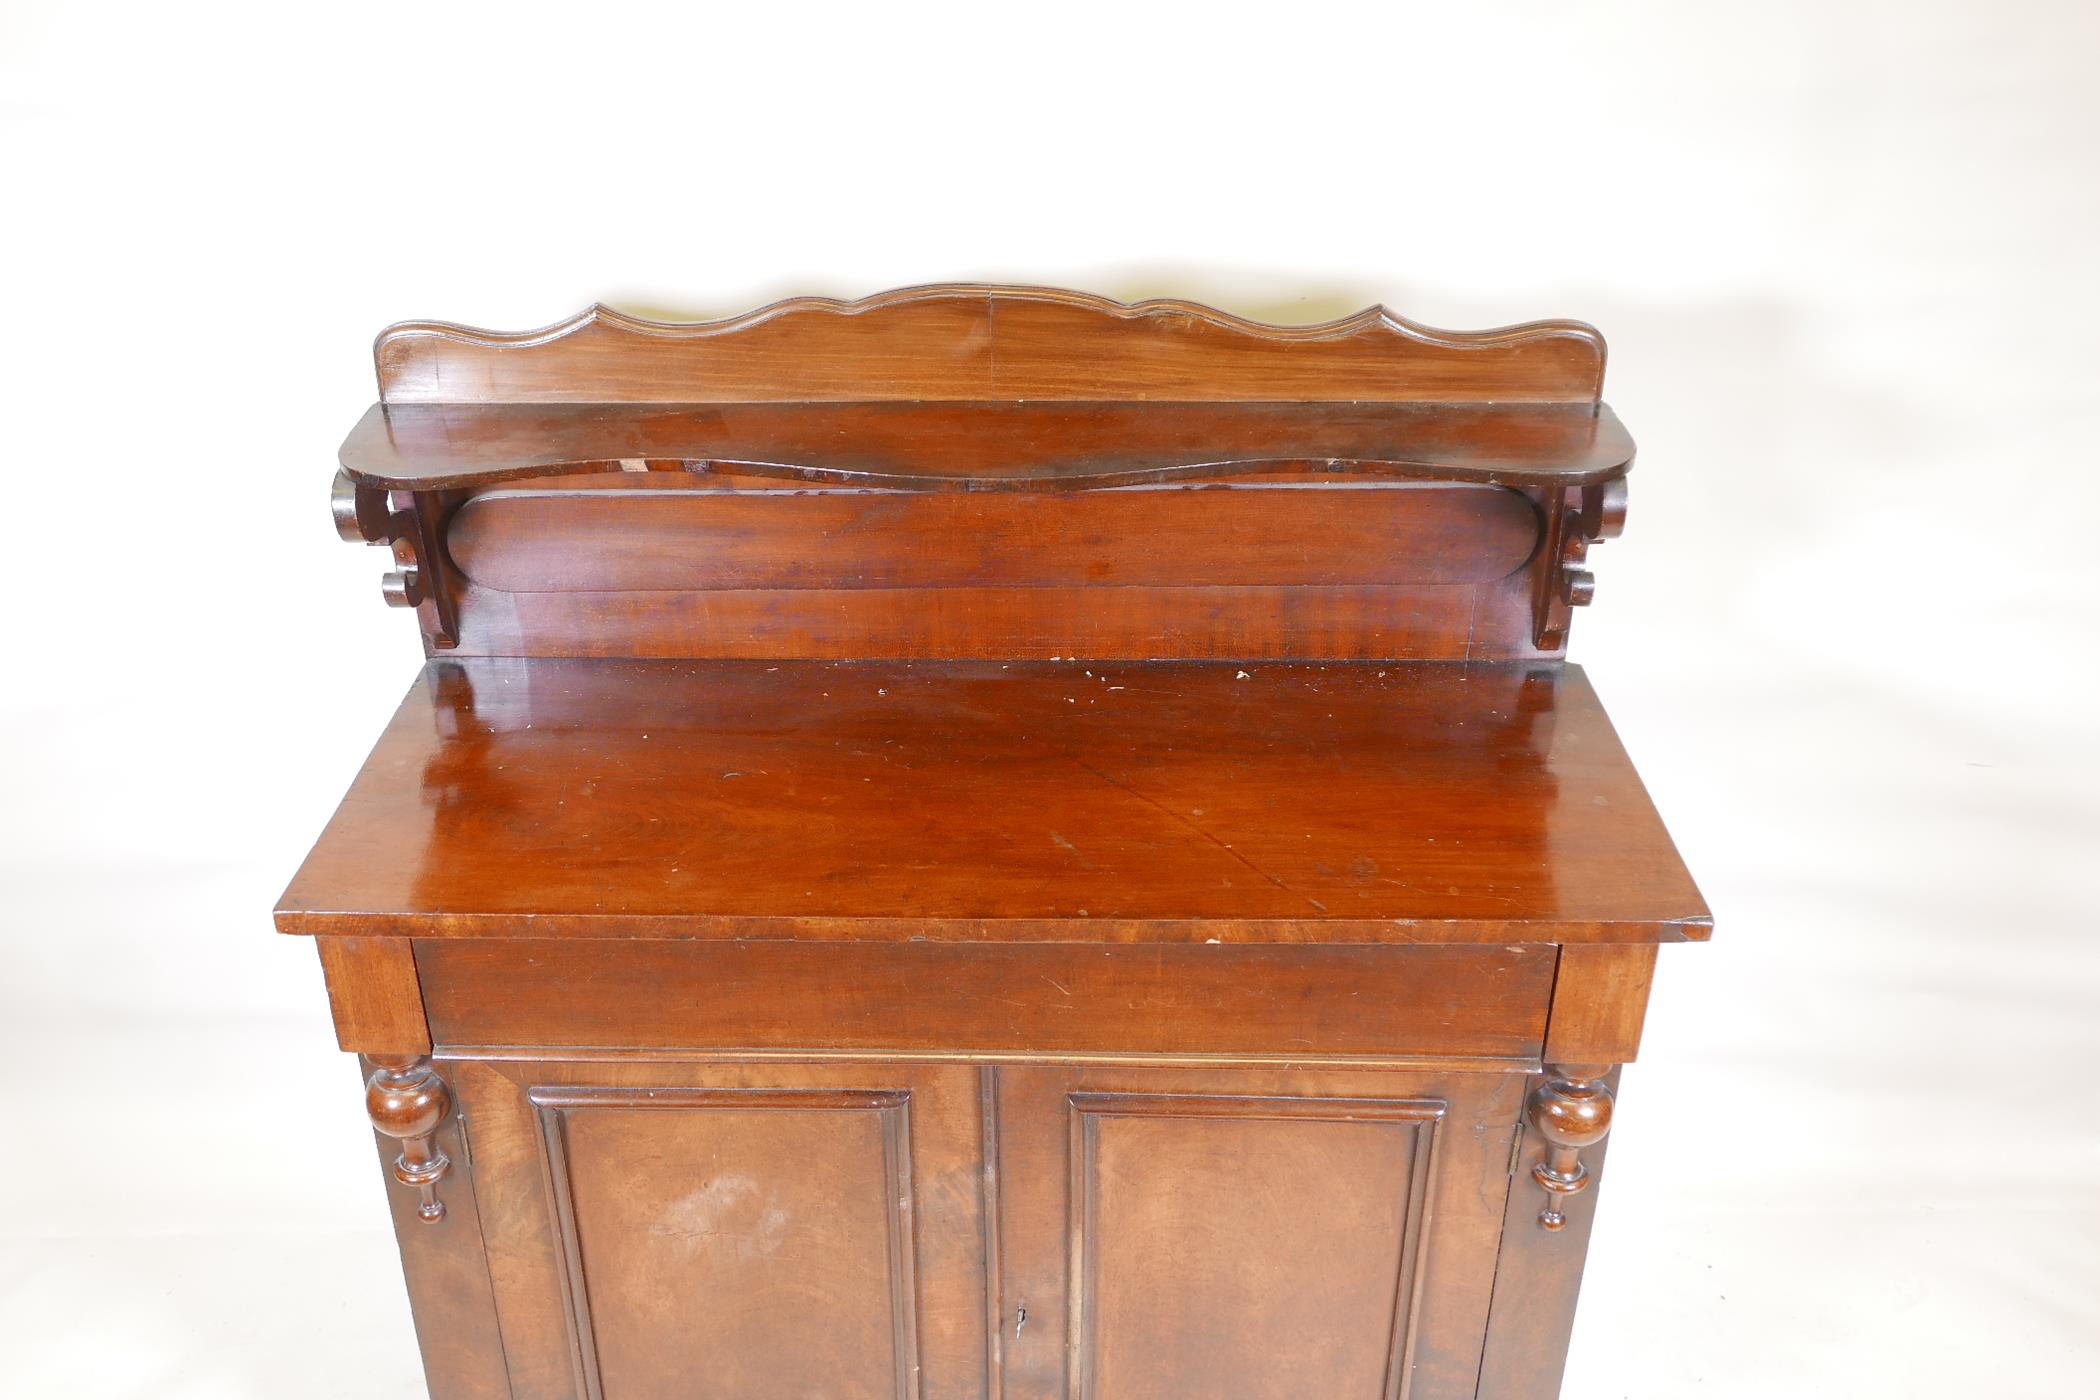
x=975, y=802
x=1538, y=1279
x=1030, y=447
x=1200, y=1265
x=447, y=1271
x=991, y=844
x=1284, y=535
x=374, y=995
x=985, y=391
x=1468, y=622
x=1277, y=570
x=983, y=342
x=780, y=1262
x=1600, y=997
x=1015, y=1001
x=775, y=1230
x=1219, y=1291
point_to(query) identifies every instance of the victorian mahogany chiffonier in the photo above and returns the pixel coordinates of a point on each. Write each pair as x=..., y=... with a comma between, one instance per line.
x=991, y=844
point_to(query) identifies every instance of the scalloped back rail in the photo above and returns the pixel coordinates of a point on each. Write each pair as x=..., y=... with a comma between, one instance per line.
x=960, y=472
x=986, y=343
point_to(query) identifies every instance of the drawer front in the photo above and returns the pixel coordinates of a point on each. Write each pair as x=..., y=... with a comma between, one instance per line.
x=1298, y=1004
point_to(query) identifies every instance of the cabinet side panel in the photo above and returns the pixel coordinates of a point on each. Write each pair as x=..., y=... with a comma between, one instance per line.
x=1537, y=1280
x=518, y=1229
x=446, y=1268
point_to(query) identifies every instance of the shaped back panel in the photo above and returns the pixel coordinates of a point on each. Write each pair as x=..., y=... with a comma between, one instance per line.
x=986, y=343
x=988, y=472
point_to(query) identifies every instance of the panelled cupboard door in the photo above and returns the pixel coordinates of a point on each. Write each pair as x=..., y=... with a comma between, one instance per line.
x=1246, y=1234
x=732, y=1232
x=879, y=1231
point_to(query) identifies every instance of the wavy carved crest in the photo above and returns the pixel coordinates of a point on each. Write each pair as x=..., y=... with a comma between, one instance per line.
x=965, y=342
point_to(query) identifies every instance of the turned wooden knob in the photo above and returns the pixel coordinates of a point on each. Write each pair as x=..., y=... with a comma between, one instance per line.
x=1571, y=1111
x=402, y=588
x=1578, y=587
x=407, y=1101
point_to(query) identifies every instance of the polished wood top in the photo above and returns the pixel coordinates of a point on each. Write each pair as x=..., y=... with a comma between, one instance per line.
x=1168, y=802
x=987, y=445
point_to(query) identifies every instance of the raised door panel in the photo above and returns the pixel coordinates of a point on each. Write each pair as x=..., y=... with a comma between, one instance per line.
x=744, y=1232
x=1246, y=1234
x=1195, y=1220
x=712, y=1231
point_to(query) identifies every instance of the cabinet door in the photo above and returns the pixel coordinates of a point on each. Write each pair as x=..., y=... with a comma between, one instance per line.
x=748, y=1232
x=1246, y=1234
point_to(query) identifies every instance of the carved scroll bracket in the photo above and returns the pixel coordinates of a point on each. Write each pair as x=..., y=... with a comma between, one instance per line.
x=408, y=1102
x=412, y=525
x=1571, y=1110
x=1575, y=519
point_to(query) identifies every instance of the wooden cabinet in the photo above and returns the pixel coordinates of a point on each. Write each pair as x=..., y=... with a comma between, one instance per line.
x=890, y=1230
x=991, y=845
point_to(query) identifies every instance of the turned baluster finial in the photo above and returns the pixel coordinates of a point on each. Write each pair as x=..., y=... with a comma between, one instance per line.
x=1571, y=1110
x=407, y=1101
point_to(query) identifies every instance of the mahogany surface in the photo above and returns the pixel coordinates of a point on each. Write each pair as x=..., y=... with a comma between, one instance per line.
x=937, y=390
x=991, y=844
x=976, y=343
x=1282, y=534
x=1041, y=1001
x=996, y=445
x=1168, y=802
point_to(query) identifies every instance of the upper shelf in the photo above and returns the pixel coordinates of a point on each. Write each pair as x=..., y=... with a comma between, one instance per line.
x=973, y=387
x=986, y=446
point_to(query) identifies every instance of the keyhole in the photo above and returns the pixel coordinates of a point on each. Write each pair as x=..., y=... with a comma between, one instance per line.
x=1020, y=1320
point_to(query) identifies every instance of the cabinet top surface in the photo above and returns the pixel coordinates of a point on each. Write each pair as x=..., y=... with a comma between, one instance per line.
x=1047, y=801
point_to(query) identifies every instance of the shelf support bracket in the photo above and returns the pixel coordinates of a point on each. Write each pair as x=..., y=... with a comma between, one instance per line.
x=1573, y=519
x=411, y=524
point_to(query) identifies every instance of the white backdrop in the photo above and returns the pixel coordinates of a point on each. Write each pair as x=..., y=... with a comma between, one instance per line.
x=1845, y=255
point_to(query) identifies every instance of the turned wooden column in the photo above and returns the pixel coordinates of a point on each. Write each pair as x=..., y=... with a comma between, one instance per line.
x=407, y=1101
x=1571, y=1110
